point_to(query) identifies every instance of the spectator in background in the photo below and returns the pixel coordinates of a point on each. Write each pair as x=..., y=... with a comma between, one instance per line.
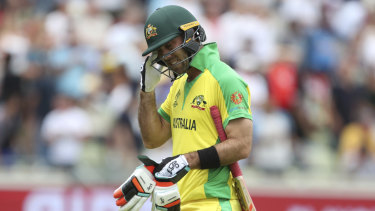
x=211, y=18
x=253, y=22
x=346, y=87
x=38, y=90
x=65, y=129
x=322, y=46
x=274, y=142
x=112, y=6
x=315, y=117
x=365, y=45
x=282, y=79
x=91, y=26
x=10, y=107
x=121, y=93
x=2, y=11
x=348, y=18
x=273, y=149
x=72, y=55
x=301, y=13
x=357, y=143
x=122, y=39
x=41, y=7
x=58, y=25
x=248, y=66
x=120, y=101
x=315, y=114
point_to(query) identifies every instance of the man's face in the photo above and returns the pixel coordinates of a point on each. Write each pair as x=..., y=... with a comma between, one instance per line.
x=173, y=61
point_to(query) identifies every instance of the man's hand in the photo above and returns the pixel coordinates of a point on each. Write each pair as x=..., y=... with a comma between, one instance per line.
x=166, y=198
x=150, y=76
x=167, y=173
x=170, y=169
x=133, y=193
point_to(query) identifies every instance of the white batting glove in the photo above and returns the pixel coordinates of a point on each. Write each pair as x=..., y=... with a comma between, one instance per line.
x=172, y=169
x=166, y=198
x=150, y=76
x=134, y=192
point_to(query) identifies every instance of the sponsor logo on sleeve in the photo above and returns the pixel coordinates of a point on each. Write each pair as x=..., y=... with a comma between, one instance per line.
x=236, y=98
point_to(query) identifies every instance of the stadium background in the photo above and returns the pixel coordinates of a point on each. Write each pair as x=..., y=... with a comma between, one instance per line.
x=68, y=99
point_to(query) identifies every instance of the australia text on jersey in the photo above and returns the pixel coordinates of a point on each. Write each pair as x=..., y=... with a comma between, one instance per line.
x=183, y=123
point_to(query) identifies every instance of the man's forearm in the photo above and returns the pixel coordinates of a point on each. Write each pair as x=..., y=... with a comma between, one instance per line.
x=232, y=150
x=236, y=147
x=153, y=129
x=224, y=152
x=238, y=144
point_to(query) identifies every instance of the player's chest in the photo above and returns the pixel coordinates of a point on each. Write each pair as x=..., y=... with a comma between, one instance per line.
x=191, y=106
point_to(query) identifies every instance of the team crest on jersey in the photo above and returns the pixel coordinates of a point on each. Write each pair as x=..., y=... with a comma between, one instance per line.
x=236, y=98
x=199, y=103
x=150, y=31
x=176, y=98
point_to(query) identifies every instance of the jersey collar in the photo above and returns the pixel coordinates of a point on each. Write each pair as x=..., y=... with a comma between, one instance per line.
x=205, y=57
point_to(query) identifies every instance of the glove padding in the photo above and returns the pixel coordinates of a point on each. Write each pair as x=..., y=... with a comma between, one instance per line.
x=166, y=198
x=170, y=169
x=150, y=75
x=134, y=192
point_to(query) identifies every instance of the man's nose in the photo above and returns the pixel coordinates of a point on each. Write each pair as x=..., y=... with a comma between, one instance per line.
x=167, y=56
x=164, y=51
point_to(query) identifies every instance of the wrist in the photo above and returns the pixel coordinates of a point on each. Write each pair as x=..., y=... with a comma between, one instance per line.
x=147, y=91
x=147, y=95
x=209, y=158
x=193, y=160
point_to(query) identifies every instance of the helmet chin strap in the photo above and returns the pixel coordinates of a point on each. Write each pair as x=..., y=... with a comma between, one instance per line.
x=191, y=44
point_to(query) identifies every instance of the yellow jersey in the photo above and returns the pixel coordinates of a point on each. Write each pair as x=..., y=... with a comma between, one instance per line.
x=187, y=109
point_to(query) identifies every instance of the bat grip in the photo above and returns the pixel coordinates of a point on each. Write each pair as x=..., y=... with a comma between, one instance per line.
x=235, y=169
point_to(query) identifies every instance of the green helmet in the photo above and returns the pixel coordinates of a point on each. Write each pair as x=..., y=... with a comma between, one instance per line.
x=165, y=24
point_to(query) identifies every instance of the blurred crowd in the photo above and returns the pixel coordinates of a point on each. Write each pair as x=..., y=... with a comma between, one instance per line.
x=69, y=82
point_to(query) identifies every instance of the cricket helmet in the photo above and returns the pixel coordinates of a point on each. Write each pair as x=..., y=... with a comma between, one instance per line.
x=167, y=23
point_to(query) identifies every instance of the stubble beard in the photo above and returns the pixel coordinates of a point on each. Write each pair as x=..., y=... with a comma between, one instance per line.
x=181, y=68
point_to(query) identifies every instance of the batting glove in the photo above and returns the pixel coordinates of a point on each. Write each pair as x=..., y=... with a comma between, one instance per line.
x=170, y=169
x=166, y=198
x=134, y=192
x=150, y=74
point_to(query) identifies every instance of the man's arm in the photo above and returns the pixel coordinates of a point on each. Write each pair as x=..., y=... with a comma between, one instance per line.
x=155, y=129
x=236, y=147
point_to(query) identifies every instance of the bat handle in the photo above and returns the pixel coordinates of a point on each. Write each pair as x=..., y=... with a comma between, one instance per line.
x=235, y=169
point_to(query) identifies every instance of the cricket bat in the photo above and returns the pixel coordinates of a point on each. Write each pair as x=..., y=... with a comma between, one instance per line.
x=239, y=183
